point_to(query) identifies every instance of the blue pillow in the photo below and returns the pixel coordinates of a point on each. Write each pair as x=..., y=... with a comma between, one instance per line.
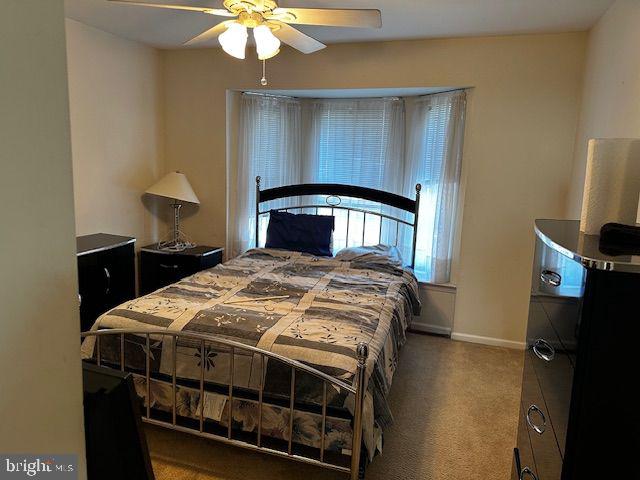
x=300, y=233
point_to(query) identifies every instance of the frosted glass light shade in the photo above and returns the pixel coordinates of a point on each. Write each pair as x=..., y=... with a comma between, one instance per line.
x=174, y=185
x=267, y=44
x=234, y=40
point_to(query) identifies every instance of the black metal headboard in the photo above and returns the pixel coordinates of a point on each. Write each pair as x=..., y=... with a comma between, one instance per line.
x=335, y=192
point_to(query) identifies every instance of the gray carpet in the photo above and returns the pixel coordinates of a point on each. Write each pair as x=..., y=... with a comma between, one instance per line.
x=455, y=406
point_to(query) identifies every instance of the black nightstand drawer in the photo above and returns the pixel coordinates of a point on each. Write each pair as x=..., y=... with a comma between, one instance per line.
x=161, y=268
x=171, y=265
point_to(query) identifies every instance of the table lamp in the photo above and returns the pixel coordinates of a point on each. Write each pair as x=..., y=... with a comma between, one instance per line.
x=175, y=186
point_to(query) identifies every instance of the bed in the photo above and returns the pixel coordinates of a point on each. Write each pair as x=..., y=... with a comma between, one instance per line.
x=277, y=351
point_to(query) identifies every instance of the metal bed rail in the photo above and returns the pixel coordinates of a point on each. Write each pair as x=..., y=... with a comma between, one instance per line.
x=333, y=200
x=358, y=389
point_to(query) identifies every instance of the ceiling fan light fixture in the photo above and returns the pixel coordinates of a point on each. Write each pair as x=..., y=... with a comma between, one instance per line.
x=234, y=40
x=267, y=44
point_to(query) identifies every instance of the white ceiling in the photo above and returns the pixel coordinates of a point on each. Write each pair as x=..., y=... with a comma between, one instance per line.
x=401, y=19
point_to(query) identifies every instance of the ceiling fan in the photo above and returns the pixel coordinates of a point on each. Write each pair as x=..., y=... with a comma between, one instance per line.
x=270, y=24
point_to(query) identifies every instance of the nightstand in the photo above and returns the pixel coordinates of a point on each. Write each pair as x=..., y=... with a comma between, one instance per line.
x=159, y=268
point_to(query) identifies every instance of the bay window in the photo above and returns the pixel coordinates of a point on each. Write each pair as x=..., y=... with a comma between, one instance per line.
x=383, y=143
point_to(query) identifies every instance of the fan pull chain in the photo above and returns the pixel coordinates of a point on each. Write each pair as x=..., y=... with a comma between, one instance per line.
x=263, y=80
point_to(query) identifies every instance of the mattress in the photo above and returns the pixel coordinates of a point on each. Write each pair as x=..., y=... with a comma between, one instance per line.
x=311, y=309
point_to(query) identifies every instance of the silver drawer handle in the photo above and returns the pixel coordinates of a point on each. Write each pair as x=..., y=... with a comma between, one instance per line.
x=526, y=472
x=544, y=350
x=538, y=429
x=164, y=265
x=551, y=278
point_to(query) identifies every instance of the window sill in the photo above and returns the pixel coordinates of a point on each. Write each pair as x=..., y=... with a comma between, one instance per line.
x=444, y=287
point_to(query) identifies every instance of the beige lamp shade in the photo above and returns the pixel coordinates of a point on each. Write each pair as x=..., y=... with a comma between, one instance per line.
x=174, y=185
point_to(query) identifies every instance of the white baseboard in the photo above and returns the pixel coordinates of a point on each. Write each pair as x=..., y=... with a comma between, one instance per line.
x=494, y=342
x=428, y=328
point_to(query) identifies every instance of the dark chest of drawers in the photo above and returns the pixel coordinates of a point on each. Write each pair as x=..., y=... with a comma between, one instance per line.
x=106, y=274
x=579, y=412
x=160, y=268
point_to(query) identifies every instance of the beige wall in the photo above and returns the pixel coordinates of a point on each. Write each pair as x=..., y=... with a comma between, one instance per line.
x=40, y=375
x=521, y=122
x=117, y=133
x=611, y=95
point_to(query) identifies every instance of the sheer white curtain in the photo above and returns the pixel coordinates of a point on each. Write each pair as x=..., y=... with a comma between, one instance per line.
x=434, y=157
x=356, y=141
x=269, y=146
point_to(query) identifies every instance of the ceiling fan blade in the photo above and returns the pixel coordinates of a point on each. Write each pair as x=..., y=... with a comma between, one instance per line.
x=209, y=34
x=211, y=11
x=297, y=39
x=331, y=17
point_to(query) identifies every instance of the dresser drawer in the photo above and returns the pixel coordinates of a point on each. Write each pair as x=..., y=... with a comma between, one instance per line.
x=555, y=378
x=555, y=274
x=564, y=316
x=523, y=454
x=540, y=331
x=537, y=419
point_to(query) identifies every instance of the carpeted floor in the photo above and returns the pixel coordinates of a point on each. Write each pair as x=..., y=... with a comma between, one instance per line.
x=455, y=406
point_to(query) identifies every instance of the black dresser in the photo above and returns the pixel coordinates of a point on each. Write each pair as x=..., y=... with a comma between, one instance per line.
x=160, y=268
x=106, y=274
x=579, y=411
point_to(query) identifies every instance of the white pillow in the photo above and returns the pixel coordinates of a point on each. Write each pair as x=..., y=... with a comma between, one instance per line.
x=371, y=253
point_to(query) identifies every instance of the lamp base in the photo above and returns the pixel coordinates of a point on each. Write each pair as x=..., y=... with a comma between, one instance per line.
x=176, y=240
x=173, y=246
